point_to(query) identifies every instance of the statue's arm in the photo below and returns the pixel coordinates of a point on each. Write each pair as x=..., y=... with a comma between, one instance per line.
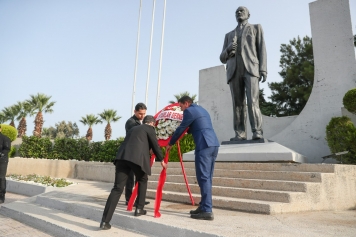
x=261, y=50
x=224, y=54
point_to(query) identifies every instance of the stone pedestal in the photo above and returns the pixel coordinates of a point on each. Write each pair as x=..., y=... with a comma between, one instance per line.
x=254, y=152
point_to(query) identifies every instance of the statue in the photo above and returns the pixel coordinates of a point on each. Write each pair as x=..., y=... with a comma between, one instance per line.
x=244, y=53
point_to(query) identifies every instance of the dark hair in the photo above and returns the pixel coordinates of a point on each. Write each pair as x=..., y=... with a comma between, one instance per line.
x=140, y=106
x=184, y=99
x=148, y=119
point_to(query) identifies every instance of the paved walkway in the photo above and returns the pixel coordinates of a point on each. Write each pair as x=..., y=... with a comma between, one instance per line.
x=12, y=228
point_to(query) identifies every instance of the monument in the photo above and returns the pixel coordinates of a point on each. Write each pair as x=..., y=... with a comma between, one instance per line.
x=244, y=53
x=335, y=74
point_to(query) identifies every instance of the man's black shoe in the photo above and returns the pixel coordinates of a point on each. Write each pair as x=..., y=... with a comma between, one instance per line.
x=196, y=211
x=105, y=225
x=203, y=216
x=140, y=212
x=146, y=203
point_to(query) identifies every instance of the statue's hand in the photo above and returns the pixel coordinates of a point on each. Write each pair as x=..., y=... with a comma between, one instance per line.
x=231, y=49
x=263, y=76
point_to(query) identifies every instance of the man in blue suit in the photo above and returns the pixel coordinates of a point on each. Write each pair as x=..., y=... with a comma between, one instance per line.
x=206, y=150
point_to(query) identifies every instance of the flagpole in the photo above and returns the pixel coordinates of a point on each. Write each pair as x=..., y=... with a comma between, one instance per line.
x=137, y=46
x=160, y=59
x=149, y=57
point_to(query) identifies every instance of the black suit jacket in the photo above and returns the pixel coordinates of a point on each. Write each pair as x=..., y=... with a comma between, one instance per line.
x=132, y=122
x=5, y=145
x=136, y=147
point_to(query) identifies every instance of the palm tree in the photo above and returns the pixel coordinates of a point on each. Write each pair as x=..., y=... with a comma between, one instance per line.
x=109, y=116
x=186, y=93
x=40, y=104
x=2, y=118
x=10, y=113
x=90, y=119
x=25, y=110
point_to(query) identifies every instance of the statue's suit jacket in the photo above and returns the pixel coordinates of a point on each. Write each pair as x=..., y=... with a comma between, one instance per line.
x=253, y=51
x=198, y=120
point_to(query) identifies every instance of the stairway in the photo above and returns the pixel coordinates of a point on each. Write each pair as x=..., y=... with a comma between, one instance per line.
x=266, y=188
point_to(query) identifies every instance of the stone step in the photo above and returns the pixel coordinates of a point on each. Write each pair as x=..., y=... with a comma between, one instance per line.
x=250, y=174
x=255, y=194
x=238, y=204
x=279, y=185
x=57, y=222
x=92, y=208
x=323, y=168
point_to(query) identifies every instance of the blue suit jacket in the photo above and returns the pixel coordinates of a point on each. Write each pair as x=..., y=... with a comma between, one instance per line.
x=198, y=120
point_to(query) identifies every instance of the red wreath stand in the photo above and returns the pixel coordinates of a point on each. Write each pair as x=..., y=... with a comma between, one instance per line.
x=163, y=175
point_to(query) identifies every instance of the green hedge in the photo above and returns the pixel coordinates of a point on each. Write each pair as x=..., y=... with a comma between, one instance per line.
x=35, y=147
x=81, y=149
x=186, y=144
x=12, y=151
x=349, y=100
x=9, y=131
x=341, y=136
x=69, y=149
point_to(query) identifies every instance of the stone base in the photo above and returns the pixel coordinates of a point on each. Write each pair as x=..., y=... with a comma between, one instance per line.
x=263, y=140
x=254, y=152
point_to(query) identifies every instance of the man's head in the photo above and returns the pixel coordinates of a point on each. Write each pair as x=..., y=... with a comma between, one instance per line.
x=242, y=14
x=150, y=120
x=140, y=111
x=185, y=102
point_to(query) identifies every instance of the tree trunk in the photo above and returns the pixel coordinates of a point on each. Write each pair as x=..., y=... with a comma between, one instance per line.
x=12, y=123
x=89, y=135
x=22, y=127
x=38, y=125
x=108, y=132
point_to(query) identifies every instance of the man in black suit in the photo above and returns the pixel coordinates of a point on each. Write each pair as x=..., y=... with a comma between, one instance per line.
x=5, y=145
x=133, y=155
x=135, y=120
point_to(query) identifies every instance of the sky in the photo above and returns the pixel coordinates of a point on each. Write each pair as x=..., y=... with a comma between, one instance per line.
x=82, y=53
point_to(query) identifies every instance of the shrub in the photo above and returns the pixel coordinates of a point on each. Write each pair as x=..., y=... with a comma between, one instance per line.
x=12, y=151
x=341, y=136
x=349, y=100
x=186, y=144
x=105, y=151
x=68, y=148
x=9, y=131
x=36, y=147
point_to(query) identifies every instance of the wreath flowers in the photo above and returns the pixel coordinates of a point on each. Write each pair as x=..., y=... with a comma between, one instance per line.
x=168, y=121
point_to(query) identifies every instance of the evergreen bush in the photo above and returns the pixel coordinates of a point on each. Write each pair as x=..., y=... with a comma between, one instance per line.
x=71, y=149
x=35, y=147
x=105, y=151
x=349, y=100
x=341, y=136
x=186, y=144
x=9, y=131
x=81, y=149
x=12, y=151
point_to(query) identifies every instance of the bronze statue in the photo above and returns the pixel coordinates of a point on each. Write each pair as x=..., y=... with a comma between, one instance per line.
x=244, y=53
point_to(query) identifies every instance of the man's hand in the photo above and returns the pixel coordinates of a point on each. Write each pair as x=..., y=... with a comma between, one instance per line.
x=168, y=148
x=264, y=76
x=164, y=165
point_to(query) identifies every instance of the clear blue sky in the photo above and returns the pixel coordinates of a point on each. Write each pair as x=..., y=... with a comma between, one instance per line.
x=82, y=53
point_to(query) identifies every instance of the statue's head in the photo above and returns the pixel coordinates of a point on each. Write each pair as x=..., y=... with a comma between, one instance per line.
x=242, y=14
